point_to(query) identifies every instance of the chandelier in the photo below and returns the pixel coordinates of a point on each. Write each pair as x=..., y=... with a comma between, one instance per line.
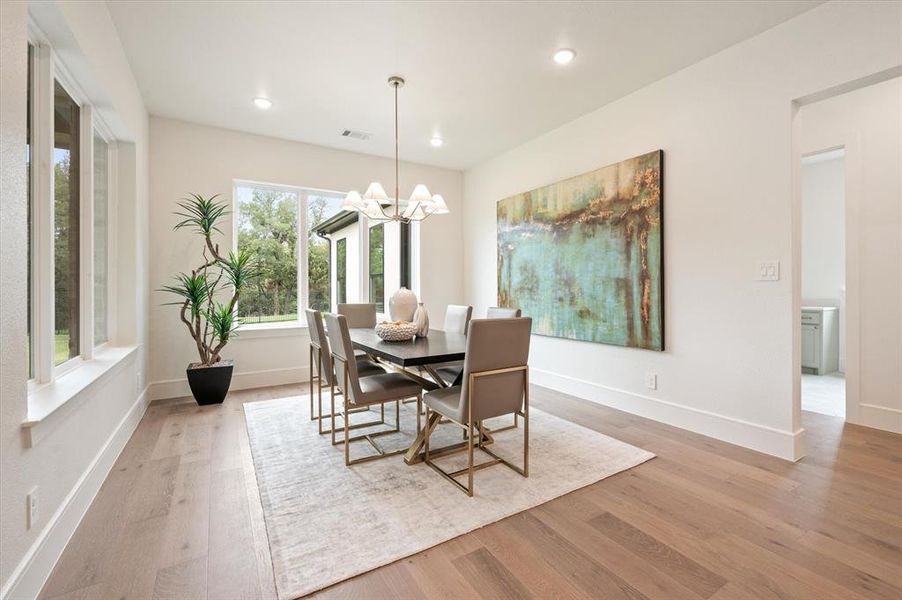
x=375, y=201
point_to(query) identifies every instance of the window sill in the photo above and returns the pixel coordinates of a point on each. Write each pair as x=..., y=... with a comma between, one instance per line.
x=271, y=330
x=45, y=400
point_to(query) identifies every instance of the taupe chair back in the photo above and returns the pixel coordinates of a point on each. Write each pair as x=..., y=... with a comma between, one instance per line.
x=494, y=344
x=343, y=349
x=318, y=337
x=359, y=315
x=499, y=312
x=457, y=318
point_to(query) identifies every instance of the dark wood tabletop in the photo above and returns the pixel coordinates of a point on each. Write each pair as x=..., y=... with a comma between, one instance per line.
x=437, y=347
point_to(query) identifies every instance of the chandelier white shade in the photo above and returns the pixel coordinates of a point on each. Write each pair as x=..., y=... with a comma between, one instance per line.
x=374, y=202
x=353, y=201
x=438, y=205
x=375, y=192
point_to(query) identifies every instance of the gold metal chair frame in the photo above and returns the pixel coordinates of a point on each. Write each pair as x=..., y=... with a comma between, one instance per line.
x=319, y=416
x=347, y=438
x=480, y=442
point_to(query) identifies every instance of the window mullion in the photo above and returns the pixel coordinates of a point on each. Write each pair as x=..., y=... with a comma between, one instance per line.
x=303, y=280
x=363, y=226
x=42, y=214
x=112, y=241
x=86, y=232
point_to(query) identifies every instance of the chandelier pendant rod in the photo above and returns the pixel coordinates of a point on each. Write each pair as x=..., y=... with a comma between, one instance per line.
x=397, y=160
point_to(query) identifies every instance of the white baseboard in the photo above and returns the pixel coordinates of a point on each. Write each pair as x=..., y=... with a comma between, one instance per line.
x=176, y=388
x=879, y=417
x=783, y=444
x=32, y=572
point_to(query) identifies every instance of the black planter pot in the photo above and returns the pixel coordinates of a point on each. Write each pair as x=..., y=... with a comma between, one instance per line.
x=210, y=384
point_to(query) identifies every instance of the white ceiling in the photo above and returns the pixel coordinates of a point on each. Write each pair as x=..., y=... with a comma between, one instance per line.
x=478, y=74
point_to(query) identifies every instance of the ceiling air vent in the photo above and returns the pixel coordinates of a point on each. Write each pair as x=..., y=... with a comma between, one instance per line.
x=357, y=135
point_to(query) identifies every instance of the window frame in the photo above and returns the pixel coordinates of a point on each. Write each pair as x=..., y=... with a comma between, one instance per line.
x=103, y=131
x=47, y=69
x=302, y=254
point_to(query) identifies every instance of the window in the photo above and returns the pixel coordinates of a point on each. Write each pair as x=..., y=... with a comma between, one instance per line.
x=294, y=268
x=29, y=159
x=101, y=238
x=377, y=266
x=66, y=225
x=268, y=228
x=341, y=270
x=340, y=256
x=69, y=220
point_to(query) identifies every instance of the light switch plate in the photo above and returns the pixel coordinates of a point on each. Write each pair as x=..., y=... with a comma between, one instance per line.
x=31, y=501
x=768, y=270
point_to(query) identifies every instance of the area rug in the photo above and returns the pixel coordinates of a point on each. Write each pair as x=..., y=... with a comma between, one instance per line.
x=327, y=523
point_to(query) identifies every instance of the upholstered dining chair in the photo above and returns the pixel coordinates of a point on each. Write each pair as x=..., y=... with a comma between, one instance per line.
x=500, y=312
x=358, y=315
x=321, y=370
x=495, y=383
x=360, y=391
x=457, y=318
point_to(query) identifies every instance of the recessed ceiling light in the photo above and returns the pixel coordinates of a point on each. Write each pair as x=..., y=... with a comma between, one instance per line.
x=263, y=103
x=564, y=56
x=436, y=141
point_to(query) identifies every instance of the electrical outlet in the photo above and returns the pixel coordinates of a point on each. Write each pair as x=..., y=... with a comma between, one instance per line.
x=768, y=270
x=651, y=381
x=31, y=501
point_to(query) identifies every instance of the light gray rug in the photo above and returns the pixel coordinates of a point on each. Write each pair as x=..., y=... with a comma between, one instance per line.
x=327, y=522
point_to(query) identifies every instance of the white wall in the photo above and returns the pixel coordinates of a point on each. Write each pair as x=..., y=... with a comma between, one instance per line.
x=824, y=238
x=187, y=158
x=725, y=127
x=80, y=441
x=869, y=122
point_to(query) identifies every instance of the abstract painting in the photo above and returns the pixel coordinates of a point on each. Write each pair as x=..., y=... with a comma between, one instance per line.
x=583, y=257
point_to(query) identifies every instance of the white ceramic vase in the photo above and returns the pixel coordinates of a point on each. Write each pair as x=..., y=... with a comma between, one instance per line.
x=421, y=320
x=402, y=305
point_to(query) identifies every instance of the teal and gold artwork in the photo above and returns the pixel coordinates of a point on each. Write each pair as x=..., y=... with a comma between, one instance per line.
x=583, y=257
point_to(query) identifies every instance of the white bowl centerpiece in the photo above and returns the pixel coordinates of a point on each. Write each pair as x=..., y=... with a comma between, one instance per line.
x=396, y=331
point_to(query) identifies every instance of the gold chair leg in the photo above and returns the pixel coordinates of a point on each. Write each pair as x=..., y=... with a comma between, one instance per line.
x=470, y=459
x=525, y=423
x=346, y=420
x=319, y=393
x=426, y=435
x=311, y=383
x=332, y=399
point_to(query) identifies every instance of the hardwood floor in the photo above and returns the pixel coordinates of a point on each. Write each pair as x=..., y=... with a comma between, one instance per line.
x=179, y=517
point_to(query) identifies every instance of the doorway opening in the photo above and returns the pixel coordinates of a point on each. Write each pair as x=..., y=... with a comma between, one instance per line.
x=823, y=274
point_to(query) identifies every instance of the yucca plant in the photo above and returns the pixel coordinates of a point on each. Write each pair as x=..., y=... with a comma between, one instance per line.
x=208, y=296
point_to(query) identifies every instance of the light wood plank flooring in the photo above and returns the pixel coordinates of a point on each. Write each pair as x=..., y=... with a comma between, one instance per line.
x=179, y=517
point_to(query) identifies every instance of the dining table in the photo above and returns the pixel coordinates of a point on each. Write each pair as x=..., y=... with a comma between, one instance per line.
x=417, y=358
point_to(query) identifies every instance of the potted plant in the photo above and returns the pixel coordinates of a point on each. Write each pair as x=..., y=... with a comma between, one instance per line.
x=208, y=298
